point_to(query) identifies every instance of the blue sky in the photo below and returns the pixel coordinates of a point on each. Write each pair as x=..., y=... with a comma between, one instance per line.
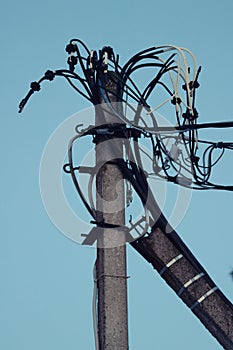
x=46, y=278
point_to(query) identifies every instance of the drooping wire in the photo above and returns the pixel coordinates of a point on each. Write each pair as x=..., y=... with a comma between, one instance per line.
x=173, y=70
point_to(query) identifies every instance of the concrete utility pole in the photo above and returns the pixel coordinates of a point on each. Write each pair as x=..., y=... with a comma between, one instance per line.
x=161, y=246
x=190, y=282
x=111, y=243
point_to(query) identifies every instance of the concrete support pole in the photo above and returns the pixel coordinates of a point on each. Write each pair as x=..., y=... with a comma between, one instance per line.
x=191, y=283
x=111, y=248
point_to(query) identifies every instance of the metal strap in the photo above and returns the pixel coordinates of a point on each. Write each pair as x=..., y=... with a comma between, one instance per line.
x=188, y=283
x=113, y=276
x=201, y=299
x=170, y=263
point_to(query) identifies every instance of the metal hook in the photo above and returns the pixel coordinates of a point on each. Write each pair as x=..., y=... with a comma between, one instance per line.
x=77, y=129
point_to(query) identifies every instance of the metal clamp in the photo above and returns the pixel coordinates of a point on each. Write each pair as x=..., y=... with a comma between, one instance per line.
x=112, y=276
x=92, y=236
x=201, y=299
x=170, y=263
x=188, y=283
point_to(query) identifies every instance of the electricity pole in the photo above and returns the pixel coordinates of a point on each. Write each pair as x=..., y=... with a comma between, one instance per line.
x=163, y=248
x=111, y=243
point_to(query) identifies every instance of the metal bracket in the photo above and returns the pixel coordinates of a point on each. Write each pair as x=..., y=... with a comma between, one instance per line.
x=170, y=263
x=188, y=283
x=86, y=169
x=96, y=232
x=201, y=299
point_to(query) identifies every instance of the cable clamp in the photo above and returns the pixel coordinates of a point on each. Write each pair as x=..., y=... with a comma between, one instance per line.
x=104, y=131
x=96, y=232
x=72, y=61
x=49, y=75
x=191, y=116
x=188, y=283
x=201, y=299
x=92, y=60
x=102, y=224
x=71, y=48
x=176, y=100
x=192, y=85
x=35, y=86
x=219, y=145
x=113, y=276
x=170, y=263
x=116, y=129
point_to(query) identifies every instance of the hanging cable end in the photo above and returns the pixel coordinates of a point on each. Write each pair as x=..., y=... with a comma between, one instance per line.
x=21, y=105
x=24, y=101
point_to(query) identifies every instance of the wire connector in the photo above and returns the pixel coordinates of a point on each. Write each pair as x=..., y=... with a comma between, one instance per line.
x=108, y=50
x=219, y=145
x=190, y=115
x=49, y=75
x=192, y=85
x=176, y=100
x=92, y=60
x=35, y=86
x=71, y=48
x=72, y=61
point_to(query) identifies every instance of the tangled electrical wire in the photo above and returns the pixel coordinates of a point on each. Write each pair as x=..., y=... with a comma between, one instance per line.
x=174, y=149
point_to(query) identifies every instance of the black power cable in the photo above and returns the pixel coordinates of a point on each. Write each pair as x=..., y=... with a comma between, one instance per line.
x=90, y=83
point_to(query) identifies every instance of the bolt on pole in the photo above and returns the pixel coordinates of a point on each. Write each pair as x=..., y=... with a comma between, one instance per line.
x=111, y=243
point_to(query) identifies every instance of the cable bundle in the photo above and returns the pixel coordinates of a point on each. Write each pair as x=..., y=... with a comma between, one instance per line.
x=174, y=149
